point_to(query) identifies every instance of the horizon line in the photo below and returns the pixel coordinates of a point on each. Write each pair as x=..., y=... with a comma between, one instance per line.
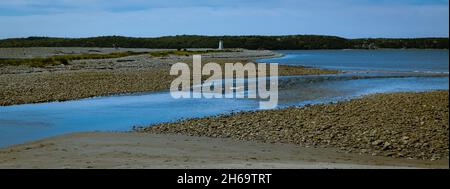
x=244, y=35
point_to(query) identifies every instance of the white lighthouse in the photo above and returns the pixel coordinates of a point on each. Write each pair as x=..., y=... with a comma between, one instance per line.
x=220, y=45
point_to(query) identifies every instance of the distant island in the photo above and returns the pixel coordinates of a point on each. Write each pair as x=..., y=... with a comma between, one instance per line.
x=287, y=42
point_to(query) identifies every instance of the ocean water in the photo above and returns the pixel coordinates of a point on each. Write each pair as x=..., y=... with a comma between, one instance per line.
x=23, y=123
x=369, y=60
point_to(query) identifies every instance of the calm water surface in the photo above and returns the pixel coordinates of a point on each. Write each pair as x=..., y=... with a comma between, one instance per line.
x=387, y=60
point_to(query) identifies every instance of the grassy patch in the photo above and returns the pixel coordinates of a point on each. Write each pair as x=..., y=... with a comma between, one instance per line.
x=63, y=59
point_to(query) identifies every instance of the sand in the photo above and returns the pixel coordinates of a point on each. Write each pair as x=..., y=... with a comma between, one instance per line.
x=140, y=150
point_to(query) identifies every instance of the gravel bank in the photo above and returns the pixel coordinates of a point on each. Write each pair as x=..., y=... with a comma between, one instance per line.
x=88, y=78
x=60, y=86
x=403, y=125
x=33, y=52
x=130, y=62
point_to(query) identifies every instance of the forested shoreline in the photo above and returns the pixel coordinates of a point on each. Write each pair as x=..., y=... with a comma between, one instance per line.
x=289, y=42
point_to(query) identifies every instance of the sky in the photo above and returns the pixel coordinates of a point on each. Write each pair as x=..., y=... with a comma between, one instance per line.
x=153, y=18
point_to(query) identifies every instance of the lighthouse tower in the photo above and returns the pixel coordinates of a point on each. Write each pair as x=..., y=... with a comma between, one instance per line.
x=220, y=45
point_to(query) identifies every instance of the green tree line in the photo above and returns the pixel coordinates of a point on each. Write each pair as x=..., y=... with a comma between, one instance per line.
x=289, y=42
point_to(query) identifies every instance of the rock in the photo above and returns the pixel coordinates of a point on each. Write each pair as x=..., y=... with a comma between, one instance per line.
x=386, y=145
x=377, y=142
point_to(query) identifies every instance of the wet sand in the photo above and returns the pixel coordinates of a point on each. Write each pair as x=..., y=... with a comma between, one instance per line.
x=140, y=150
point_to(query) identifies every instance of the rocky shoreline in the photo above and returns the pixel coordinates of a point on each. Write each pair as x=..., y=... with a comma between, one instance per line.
x=401, y=125
x=103, y=77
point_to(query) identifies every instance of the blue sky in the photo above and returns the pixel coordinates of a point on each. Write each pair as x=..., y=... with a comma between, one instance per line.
x=150, y=18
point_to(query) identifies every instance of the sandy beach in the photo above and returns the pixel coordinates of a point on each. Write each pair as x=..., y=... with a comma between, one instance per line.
x=140, y=150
